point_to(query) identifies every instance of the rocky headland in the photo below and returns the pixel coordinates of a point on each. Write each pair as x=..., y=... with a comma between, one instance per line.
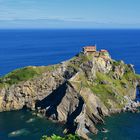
x=78, y=92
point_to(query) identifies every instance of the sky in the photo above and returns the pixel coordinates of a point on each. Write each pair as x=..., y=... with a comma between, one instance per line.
x=69, y=14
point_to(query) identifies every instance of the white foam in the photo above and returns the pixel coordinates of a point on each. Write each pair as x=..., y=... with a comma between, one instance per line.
x=20, y=132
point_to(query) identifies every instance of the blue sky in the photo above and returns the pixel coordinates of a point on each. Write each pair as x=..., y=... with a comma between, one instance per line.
x=69, y=13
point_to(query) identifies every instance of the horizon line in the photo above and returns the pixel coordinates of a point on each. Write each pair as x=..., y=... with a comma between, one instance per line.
x=70, y=28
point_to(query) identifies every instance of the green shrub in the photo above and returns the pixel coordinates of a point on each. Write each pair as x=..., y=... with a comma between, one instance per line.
x=55, y=137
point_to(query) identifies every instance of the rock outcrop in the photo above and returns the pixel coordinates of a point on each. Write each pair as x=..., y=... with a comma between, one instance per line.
x=78, y=92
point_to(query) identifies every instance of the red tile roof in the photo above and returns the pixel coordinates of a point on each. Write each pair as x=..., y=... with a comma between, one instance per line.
x=90, y=48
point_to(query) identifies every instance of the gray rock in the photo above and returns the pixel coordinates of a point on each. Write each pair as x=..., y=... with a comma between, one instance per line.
x=63, y=96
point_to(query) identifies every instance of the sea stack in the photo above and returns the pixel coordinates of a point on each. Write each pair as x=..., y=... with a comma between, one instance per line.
x=78, y=92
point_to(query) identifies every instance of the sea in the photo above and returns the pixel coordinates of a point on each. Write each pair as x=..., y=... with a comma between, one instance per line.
x=37, y=47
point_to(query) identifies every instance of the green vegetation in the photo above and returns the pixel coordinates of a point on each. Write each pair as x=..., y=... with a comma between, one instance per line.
x=104, y=53
x=55, y=137
x=24, y=74
x=137, y=76
x=106, y=93
x=110, y=90
x=85, y=58
x=81, y=58
x=117, y=63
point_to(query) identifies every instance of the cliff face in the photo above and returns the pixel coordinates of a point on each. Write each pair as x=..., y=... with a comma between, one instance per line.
x=77, y=92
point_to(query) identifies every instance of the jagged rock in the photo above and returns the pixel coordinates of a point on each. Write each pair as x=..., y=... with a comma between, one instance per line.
x=131, y=67
x=104, y=82
x=89, y=69
x=78, y=92
x=104, y=130
x=103, y=65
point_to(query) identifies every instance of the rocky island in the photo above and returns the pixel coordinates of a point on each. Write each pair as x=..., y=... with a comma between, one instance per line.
x=78, y=92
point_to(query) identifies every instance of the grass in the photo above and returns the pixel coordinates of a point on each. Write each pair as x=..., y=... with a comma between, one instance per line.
x=117, y=63
x=106, y=93
x=113, y=90
x=24, y=74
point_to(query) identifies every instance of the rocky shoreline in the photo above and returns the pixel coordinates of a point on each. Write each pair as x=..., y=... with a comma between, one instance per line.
x=79, y=92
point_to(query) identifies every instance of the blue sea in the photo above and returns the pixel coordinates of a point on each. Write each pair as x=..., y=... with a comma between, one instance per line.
x=20, y=48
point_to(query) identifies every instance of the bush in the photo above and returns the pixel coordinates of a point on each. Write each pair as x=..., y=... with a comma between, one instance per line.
x=55, y=137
